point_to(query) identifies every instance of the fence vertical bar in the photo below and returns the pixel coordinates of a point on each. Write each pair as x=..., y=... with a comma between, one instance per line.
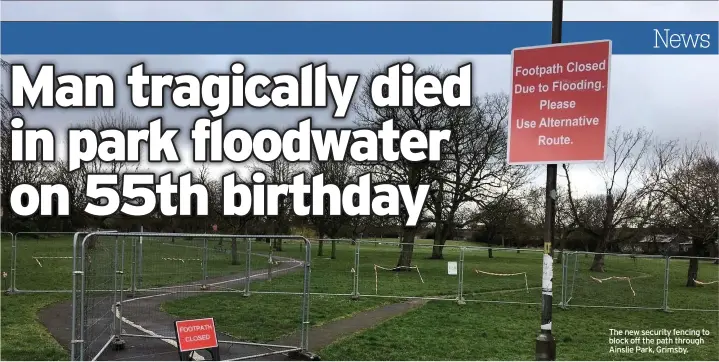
x=75, y=273
x=204, y=260
x=356, y=276
x=115, y=299
x=305, y=344
x=133, y=265
x=118, y=341
x=139, y=261
x=13, y=262
x=574, y=280
x=460, y=278
x=82, y=298
x=248, y=267
x=270, y=261
x=564, y=279
x=567, y=264
x=667, y=262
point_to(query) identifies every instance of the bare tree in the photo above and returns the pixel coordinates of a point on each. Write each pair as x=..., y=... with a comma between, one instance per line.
x=340, y=174
x=625, y=202
x=565, y=225
x=412, y=174
x=15, y=173
x=233, y=224
x=75, y=180
x=474, y=172
x=686, y=178
x=279, y=171
x=504, y=218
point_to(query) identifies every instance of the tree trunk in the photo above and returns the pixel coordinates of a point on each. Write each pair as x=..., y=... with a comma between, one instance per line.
x=489, y=253
x=607, y=230
x=440, y=239
x=697, y=249
x=692, y=272
x=562, y=245
x=334, y=250
x=438, y=248
x=598, y=263
x=406, y=249
x=319, y=248
x=233, y=246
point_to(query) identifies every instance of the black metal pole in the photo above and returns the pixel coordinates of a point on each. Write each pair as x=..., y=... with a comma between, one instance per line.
x=546, y=347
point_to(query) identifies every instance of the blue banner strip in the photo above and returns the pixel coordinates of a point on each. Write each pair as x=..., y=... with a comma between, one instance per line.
x=333, y=37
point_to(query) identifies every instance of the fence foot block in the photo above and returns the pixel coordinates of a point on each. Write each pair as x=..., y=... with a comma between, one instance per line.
x=118, y=344
x=303, y=356
x=355, y=297
x=461, y=302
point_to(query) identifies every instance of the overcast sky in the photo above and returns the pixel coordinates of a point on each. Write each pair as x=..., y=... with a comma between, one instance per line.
x=674, y=96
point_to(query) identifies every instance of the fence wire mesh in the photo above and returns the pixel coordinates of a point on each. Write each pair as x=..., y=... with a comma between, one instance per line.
x=616, y=280
x=703, y=293
x=7, y=247
x=502, y=275
x=41, y=262
x=337, y=255
x=420, y=277
x=113, y=302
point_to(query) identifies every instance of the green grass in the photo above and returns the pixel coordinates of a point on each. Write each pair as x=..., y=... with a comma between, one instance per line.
x=164, y=261
x=440, y=330
x=266, y=317
x=483, y=331
x=23, y=336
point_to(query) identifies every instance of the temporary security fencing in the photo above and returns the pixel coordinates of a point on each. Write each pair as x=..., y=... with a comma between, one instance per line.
x=41, y=262
x=368, y=268
x=110, y=304
x=7, y=238
x=631, y=281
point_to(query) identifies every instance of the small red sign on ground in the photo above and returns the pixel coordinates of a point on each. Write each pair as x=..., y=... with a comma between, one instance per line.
x=558, y=109
x=196, y=334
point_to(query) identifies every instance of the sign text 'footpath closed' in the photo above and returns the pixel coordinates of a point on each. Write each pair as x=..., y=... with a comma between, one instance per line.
x=196, y=334
x=558, y=110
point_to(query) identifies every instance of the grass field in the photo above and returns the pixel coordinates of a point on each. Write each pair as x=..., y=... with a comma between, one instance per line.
x=439, y=330
x=484, y=331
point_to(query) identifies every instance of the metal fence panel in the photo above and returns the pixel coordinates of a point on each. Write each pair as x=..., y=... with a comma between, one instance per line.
x=335, y=265
x=703, y=295
x=174, y=267
x=7, y=241
x=276, y=261
x=505, y=275
x=426, y=277
x=615, y=280
x=42, y=262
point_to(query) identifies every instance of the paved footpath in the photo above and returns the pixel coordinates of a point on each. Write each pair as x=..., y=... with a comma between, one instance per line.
x=142, y=315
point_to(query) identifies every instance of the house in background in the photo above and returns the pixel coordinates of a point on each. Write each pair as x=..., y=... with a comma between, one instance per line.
x=660, y=244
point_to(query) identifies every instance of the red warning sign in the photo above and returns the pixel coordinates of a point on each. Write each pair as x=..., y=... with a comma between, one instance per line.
x=196, y=334
x=558, y=110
